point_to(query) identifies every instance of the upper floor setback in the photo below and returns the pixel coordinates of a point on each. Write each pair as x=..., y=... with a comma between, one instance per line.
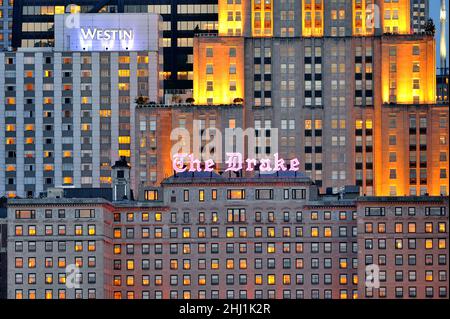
x=313, y=18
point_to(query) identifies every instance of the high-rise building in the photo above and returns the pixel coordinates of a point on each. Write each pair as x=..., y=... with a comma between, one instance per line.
x=406, y=239
x=6, y=10
x=442, y=86
x=329, y=82
x=420, y=13
x=33, y=26
x=208, y=236
x=160, y=127
x=3, y=249
x=68, y=110
x=326, y=75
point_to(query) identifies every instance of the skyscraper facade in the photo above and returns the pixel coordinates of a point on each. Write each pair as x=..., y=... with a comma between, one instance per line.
x=328, y=75
x=420, y=13
x=33, y=26
x=68, y=110
x=6, y=10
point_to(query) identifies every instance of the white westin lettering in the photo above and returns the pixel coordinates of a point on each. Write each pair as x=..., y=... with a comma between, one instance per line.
x=106, y=34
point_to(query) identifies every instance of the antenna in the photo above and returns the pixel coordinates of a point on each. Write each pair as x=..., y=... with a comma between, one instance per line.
x=443, y=43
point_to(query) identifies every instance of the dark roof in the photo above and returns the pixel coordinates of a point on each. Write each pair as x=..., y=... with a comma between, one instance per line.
x=196, y=175
x=285, y=174
x=105, y=193
x=400, y=199
x=351, y=189
x=121, y=163
x=3, y=212
x=212, y=177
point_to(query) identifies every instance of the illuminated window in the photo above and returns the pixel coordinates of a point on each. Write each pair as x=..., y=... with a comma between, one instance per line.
x=271, y=279
x=105, y=113
x=125, y=153
x=67, y=180
x=124, y=59
x=124, y=139
x=59, y=10
x=78, y=230
x=214, y=264
x=32, y=230
x=91, y=230
x=314, y=232
x=19, y=294
x=151, y=195
x=124, y=72
x=117, y=281
x=78, y=246
x=117, y=249
x=234, y=194
x=186, y=233
x=428, y=243
x=328, y=232
x=130, y=280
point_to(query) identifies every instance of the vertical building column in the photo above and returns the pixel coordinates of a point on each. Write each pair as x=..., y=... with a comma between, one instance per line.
x=114, y=61
x=39, y=129
x=96, y=119
x=153, y=76
x=19, y=126
x=57, y=127
x=76, y=102
x=2, y=125
x=133, y=95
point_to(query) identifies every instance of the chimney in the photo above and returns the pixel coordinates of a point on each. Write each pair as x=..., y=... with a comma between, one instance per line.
x=121, y=180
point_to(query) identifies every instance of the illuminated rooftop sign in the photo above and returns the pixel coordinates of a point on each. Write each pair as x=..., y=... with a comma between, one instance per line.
x=107, y=32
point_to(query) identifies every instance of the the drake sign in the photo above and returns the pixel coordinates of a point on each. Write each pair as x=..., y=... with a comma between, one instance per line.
x=107, y=32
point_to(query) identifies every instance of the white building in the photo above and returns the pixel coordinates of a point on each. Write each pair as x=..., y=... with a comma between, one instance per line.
x=67, y=112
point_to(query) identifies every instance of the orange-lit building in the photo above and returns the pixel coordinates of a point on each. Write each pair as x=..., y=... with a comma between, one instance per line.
x=218, y=69
x=408, y=69
x=330, y=79
x=157, y=137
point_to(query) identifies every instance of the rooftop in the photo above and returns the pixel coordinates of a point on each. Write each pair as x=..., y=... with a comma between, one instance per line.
x=212, y=177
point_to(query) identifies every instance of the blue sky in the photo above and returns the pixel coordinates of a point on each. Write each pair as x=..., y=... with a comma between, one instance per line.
x=434, y=14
